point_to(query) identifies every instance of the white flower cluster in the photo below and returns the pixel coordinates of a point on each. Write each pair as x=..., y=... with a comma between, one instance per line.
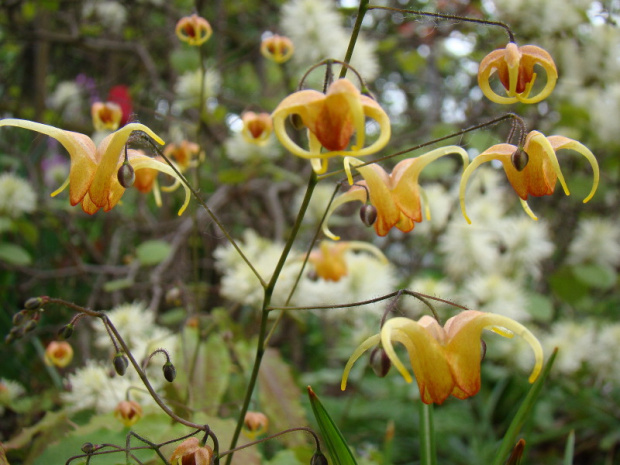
x=187, y=88
x=315, y=27
x=488, y=262
x=366, y=278
x=596, y=241
x=16, y=196
x=111, y=14
x=96, y=385
x=242, y=151
x=68, y=98
x=9, y=391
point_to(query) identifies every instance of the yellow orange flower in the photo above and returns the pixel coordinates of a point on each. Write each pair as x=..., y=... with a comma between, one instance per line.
x=277, y=48
x=194, y=29
x=256, y=423
x=128, y=412
x=331, y=120
x=257, y=127
x=395, y=196
x=58, y=353
x=540, y=174
x=515, y=70
x=106, y=116
x=92, y=180
x=185, y=154
x=445, y=361
x=190, y=452
x=330, y=261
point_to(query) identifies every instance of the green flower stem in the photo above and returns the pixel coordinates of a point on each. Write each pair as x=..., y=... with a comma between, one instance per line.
x=428, y=451
x=361, y=12
x=262, y=333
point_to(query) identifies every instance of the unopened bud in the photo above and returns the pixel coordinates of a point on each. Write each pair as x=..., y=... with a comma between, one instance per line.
x=30, y=325
x=66, y=331
x=170, y=372
x=318, y=459
x=20, y=317
x=33, y=303
x=88, y=448
x=120, y=363
x=517, y=453
x=519, y=159
x=368, y=214
x=126, y=175
x=380, y=362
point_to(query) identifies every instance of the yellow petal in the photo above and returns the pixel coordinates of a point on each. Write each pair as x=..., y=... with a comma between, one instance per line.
x=109, y=153
x=560, y=142
x=357, y=353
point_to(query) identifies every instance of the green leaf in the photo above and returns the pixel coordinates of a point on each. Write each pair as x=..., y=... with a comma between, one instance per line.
x=14, y=254
x=153, y=252
x=335, y=442
x=569, y=451
x=597, y=276
x=566, y=286
x=539, y=306
x=510, y=438
x=280, y=397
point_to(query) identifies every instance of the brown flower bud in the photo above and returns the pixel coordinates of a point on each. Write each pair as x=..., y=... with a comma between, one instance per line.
x=34, y=303
x=120, y=363
x=66, y=331
x=380, y=362
x=20, y=317
x=519, y=159
x=368, y=214
x=126, y=175
x=318, y=459
x=170, y=372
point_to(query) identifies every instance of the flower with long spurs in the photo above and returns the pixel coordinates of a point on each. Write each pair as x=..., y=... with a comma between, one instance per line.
x=194, y=30
x=331, y=120
x=541, y=171
x=257, y=127
x=515, y=69
x=330, y=262
x=396, y=197
x=93, y=180
x=277, y=48
x=445, y=361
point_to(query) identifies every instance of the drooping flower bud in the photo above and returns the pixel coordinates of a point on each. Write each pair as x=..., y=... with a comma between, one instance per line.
x=34, y=303
x=120, y=363
x=30, y=325
x=380, y=362
x=519, y=159
x=126, y=175
x=20, y=317
x=318, y=459
x=88, y=448
x=170, y=372
x=368, y=214
x=66, y=331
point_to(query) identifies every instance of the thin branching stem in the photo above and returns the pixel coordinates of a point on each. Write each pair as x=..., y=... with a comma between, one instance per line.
x=511, y=36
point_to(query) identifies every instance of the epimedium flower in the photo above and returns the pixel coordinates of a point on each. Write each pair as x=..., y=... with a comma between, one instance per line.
x=106, y=116
x=194, y=30
x=515, y=69
x=541, y=171
x=58, y=353
x=191, y=452
x=331, y=120
x=257, y=127
x=395, y=196
x=93, y=180
x=277, y=48
x=186, y=154
x=128, y=412
x=255, y=424
x=330, y=262
x=445, y=360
